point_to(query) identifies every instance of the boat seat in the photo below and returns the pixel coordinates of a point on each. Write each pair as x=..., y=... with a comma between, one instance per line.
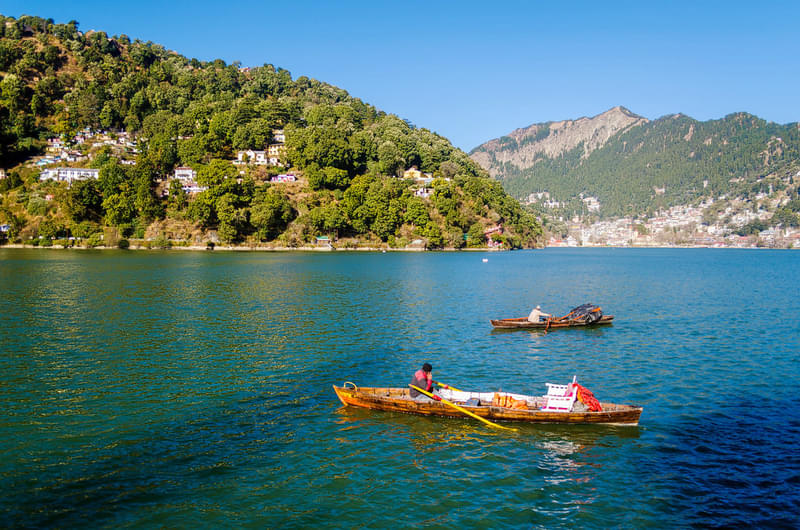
x=560, y=398
x=557, y=390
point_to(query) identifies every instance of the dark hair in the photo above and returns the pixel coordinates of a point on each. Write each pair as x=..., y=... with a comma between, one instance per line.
x=427, y=367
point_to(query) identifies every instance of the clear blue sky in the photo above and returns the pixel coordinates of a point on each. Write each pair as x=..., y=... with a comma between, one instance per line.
x=473, y=71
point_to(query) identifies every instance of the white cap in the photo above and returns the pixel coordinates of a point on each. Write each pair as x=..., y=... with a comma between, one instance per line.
x=538, y=307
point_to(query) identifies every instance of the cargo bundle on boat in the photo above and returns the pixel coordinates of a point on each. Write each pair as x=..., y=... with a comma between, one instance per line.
x=570, y=403
x=583, y=315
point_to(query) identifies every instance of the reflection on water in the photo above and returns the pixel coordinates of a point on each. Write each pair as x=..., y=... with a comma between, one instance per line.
x=185, y=389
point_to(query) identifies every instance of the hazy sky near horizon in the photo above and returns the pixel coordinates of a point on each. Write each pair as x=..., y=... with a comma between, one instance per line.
x=472, y=71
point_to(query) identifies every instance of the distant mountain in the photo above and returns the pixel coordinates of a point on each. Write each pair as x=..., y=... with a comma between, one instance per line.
x=523, y=147
x=632, y=165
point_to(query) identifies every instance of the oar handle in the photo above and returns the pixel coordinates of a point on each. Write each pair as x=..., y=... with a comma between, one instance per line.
x=432, y=396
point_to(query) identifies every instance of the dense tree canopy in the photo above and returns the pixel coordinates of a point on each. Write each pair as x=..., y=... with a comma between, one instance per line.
x=57, y=80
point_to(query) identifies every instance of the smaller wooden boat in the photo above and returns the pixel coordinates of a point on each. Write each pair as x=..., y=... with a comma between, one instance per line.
x=496, y=406
x=554, y=323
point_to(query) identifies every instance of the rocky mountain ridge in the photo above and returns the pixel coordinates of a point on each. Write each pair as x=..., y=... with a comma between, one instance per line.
x=619, y=164
x=523, y=147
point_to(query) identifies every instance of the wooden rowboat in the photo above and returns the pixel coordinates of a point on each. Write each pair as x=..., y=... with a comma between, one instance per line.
x=480, y=403
x=523, y=323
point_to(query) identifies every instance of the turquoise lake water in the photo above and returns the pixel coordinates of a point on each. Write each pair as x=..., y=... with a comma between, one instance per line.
x=193, y=389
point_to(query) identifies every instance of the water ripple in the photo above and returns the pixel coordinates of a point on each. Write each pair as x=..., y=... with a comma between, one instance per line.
x=193, y=389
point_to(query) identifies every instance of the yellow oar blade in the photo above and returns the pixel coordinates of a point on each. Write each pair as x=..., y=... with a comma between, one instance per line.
x=460, y=409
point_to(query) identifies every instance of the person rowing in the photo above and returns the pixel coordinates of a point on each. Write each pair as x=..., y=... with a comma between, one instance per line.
x=537, y=315
x=423, y=379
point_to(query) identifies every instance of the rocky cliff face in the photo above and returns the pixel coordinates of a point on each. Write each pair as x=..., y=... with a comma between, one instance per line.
x=523, y=147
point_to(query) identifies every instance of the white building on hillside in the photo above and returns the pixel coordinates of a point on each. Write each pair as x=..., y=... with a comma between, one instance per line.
x=185, y=173
x=187, y=177
x=69, y=174
x=289, y=177
x=592, y=204
x=251, y=156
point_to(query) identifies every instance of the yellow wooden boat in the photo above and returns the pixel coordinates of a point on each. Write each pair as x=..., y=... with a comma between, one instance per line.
x=538, y=409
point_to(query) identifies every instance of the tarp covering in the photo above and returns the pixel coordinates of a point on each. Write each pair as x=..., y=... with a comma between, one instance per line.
x=587, y=313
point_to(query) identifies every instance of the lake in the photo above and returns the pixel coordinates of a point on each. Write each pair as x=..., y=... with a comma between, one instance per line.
x=186, y=389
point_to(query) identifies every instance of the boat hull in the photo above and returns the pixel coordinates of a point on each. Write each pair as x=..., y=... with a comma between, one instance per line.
x=399, y=400
x=523, y=323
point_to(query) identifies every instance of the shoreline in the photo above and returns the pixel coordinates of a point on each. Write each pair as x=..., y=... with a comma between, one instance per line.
x=228, y=248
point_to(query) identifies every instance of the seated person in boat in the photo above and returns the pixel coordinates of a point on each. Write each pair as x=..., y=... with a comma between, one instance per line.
x=423, y=379
x=537, y=315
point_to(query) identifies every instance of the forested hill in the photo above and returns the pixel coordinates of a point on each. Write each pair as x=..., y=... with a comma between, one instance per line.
x=349, y=157
x=634, y=166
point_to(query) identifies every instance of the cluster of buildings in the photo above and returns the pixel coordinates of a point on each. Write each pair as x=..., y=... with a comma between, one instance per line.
x=69, y=174
x=495, y=231
x=59, y=150
x=56, y=153
x=188, y=179
x=543, y=197
x=422, y=182
x=702, y=225
x=271, y=156
x=681, y=226
x=287, y=177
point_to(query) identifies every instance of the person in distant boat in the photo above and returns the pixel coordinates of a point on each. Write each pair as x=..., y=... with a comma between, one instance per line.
x=537, y=315
x=423, y=379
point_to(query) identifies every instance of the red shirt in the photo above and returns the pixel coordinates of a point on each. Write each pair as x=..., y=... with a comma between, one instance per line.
x=421, y=380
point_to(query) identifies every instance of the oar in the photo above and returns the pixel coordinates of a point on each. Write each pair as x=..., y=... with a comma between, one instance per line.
x=460, y=409
x=443, y=385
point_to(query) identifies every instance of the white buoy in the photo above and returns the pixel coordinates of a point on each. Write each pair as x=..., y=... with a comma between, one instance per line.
x=485, y=260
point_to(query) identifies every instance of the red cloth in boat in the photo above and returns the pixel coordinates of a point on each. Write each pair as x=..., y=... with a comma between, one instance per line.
x=587, y=398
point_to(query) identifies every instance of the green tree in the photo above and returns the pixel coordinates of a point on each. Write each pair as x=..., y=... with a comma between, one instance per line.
x=37, y=205
x=232, y=218
x=785, y=217
x=161, y=153
x=84, y=201
x=51, y=229
x=270, y=213
x=216, y=172
x=434, y=236
x=178, y=200
x=202, y=209
x=111, y=178
x=328, y=178
x=390, y=159
x=120, y=208
x=417, y=213
x=475, y=237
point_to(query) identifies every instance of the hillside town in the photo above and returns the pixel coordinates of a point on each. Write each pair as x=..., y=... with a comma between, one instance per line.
x=81, y=148
x=67, y=159
x=687, y=226
x=679, y=226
